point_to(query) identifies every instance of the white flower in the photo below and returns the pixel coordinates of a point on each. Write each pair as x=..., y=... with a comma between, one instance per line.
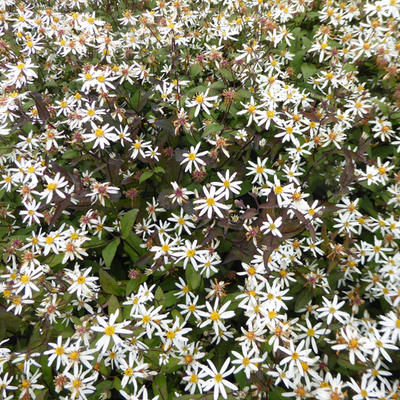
x=110, y=330
x=102, y=135
x=227, y=184
x=201, y=102
x=215, y=315
x=217, y=381
x=246, y=361
x=272, y=226
x=53, y=186
x=82, y=284
x=210, y=204
x=331, y=310
x=259, y=171
x=193, y=158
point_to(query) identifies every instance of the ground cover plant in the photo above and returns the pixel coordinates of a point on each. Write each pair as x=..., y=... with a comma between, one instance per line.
x=199, y=199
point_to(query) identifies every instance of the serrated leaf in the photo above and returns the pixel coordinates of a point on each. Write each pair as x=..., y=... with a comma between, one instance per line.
x=193, y=277
x=133, y=284
x=110, y=250
x=218, y=85
x=146, y=175
x=213, y=128
x=308, y=70
x=277, y=394
x=113, y=305
x=195, y=70
x=159, y=294
x=109, y=284
x=348, y=365
x=242, y=93
x=160, y=386
x=166, y=125
x=71, y=154
x=226, y=74
x=303, y=299
x=127, y=222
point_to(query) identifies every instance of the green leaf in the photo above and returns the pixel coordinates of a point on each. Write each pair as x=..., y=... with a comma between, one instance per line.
x=298, y=60
x=303, y=299
x=113, y=305
x=195, y=70
x=367, y=205
x=146, y=175
x=134, y=241
x=9, y=321
x=213, y=128
x=350, y=68
x=170, y=298
x=242, y=93
x=46, y=372
x=110, y=250
x=218, y=85
x=308, y=70
x=159, y=170
x=159, y=294
x=160, y=386
x=127, y=222
x=277, y=394
x=43, y=395
x=193, y=277
x=54, y=260
x=109, y=284
x=133, y=284
x=71, y=154
x=131, y=252
x=226, y=74
x=348, y=365
x=385, y=109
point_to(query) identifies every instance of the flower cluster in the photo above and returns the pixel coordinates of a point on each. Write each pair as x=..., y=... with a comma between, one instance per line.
x=200, y=199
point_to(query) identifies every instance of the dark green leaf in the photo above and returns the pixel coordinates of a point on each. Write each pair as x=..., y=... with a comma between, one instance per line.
x=146, y=175
x=226, y=74
x=303, y=299
x=193, y=277
x=127, y=222
x=109, y=284
x=110, y=250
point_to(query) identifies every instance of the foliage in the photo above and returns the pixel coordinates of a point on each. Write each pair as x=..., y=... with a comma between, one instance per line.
x=199, y=199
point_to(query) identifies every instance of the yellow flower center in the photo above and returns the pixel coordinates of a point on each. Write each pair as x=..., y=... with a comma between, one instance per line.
x=214, y=316
x=60, y=351
x=210, y=202
x=77, y=383
x=170, y=335
x=128, y=372
x=99, y=132
x=110, y=330
x=190, y=253
x=165, y=248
